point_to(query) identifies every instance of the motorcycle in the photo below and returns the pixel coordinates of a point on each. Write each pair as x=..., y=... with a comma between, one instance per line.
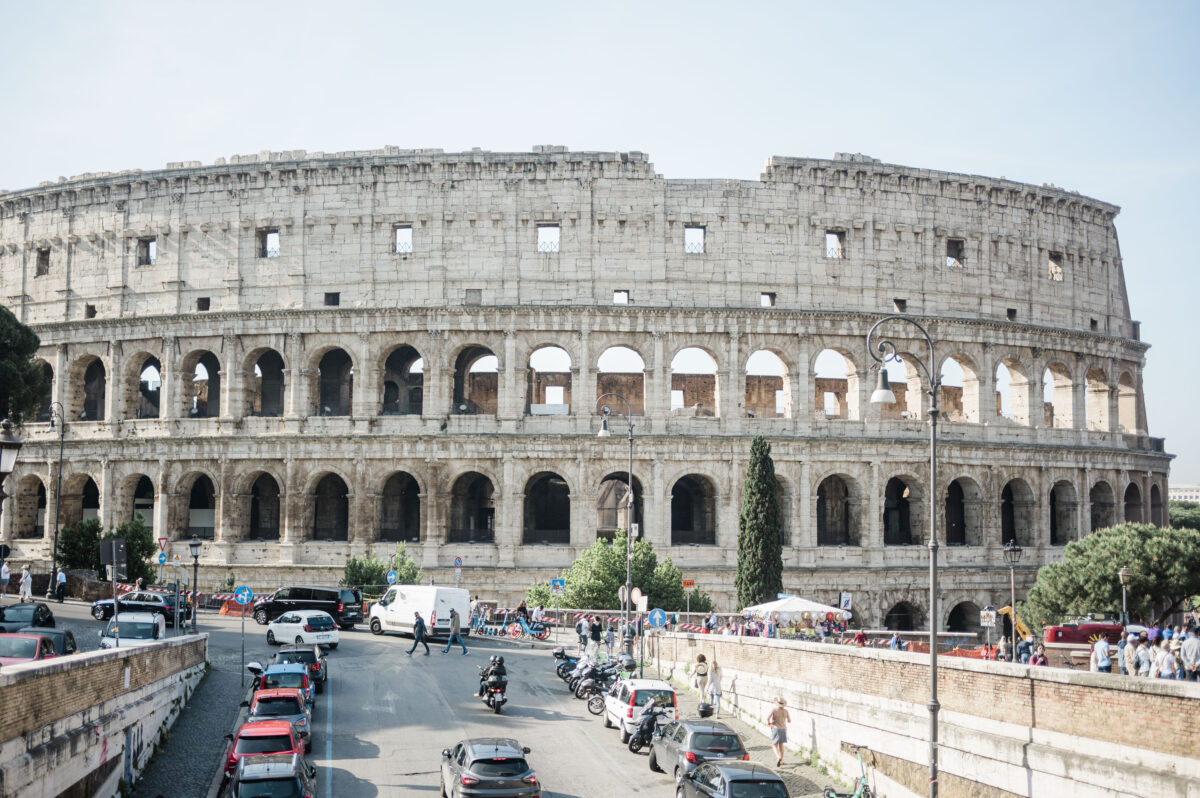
x=647, y=726
x=594, y=692
x=596, y=681
x=566, y=663
x=493, y=692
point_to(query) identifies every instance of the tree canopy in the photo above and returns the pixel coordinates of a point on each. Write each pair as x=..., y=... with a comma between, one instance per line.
x=23, y=383
x=1165, y=567
x=760, y=551
x=79, y=547
x=1185, y=514
x=372, y=571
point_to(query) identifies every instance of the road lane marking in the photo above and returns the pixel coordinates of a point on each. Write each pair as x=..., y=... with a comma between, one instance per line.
x=328, y=738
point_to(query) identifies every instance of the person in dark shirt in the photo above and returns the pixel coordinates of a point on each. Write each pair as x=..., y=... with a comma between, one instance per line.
x=419, y=635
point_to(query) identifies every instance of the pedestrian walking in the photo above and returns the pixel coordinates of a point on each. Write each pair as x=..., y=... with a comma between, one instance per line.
x=714, y=687
x=595, y=629
x=26, y=584
x=1145, y=660
x=1100, y=660
x=1165, y=660
x=1039, y=656
x=5, y=575
x=777, y=722
x=698, y=674
x=1129, y=655
x=1002, y=649
x=581, y=629
x=60, y=585
x=610, y=638
x=418, y=634
x=455, y=633
x=1189, y=653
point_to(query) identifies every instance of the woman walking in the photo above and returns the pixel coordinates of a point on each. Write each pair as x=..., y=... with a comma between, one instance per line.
x=699, y=674
x=26, y=584
x=714, y=687
x=777, y=722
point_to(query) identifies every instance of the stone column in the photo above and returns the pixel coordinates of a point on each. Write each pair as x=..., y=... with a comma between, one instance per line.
x=583, y=381
x=731, y=388
x=295, y=387
x=873, y=526
x=512, y=396
x=168, y=390
x=1079, y=401
x=162, y=515
x=658, y=382
x=107, y=490
x=656, y=506
x=804, y=530
x=509, y=504
x=61, y=377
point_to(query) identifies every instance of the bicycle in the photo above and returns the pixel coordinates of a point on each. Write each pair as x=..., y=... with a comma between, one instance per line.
x=861, y=788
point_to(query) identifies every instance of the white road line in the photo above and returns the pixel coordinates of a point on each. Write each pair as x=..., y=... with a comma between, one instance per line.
x=328, y=738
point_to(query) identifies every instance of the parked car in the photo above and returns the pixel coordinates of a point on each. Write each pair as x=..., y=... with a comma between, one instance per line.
x=134, y=629
x=17, y=648
x=624, y=701
x=312, y=656
x=282, y=704
x=15, y=616
x=344, y=605
x=488, y=766
x=274, y=775
x=684, y=744
x=255, y=739
x=305, y=627
x=731, y=780
x=293, y=675
x=63, y=640
x=143, y=601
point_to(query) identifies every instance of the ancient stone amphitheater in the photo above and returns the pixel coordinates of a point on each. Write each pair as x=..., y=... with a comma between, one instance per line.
x=301, y=356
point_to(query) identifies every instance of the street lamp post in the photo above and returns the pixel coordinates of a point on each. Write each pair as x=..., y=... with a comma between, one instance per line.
x=1012, y=556
x=57, y=416
x=604, y=433
x=882, y=352
x=194, y=546
x=1124, y=575
x=9, y=446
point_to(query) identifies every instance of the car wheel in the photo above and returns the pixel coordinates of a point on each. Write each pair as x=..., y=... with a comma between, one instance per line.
x=333, y=646
x=654, y=768
x=299, y=640
x=679, y=793
x=625, y=735
x=98, y=613
x=348, y=627
x=320, y=687
x=376, y=627
x=270, y=638
x=607, y=722
x=678, y=776
x=260, y=617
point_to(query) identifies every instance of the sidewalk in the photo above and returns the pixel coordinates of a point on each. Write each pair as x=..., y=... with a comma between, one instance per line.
x=803, y=779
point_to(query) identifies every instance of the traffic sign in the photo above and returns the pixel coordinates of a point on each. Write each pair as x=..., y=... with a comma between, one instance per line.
x=558, y=586
x=637, y=595
x=621, y=593
x=162, y=544
x=783, y=595
x=643, y=603
x=689, y=584
x=162, y=558
x=458, y=562
x=987, y=617
x=391, y=577
x=176, y=558
x=657, y=618
x=845, y=600
x=243, y=595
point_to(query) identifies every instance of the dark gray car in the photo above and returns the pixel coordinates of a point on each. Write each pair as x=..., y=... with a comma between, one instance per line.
x=490, y=766
x=731, y=780
x=16, y=616
x=64, y=641
x=685, y=744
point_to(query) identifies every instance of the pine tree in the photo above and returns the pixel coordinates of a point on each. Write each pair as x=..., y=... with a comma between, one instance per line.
x=760, y=551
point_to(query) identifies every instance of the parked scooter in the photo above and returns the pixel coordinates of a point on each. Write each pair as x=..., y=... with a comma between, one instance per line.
x=647, y=726
x=566, y=663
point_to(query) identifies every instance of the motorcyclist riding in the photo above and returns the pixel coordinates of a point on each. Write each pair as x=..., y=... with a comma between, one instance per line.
x=495, y=667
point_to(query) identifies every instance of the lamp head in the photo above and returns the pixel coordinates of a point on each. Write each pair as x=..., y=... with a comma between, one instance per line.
x=9, y=446
x=604, y=433
x=194, y=546
x=1012, y=552
x=882, y=394
x=1124, y=575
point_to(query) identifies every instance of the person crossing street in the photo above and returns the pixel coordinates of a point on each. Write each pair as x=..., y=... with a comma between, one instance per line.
x=418, y=635
x=455, y=633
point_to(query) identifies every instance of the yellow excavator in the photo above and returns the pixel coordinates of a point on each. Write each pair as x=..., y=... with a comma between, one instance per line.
x=1022, y=629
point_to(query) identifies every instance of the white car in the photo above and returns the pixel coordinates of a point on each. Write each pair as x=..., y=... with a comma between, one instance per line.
x=303, y=627
x=625, y=700
x=135, y=629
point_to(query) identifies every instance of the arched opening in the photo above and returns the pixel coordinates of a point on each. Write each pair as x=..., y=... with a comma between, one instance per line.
x=44, y=409
x=331, y=509
x=202, y=509
x=1127, y=403
x=1064, y=512
x=1017, y=508
x=266, y=398
x=1057, y=397
x=903, y=617
x=837, y=512
x=143, y=502
x=768, y=390
x=80, y=500
x=94, y=384
x=202, y=385
x=476, y=381
x=1097, y=400
x=335, y=380
x=548, y=382
x=1133, y=504
x=89, y=504
x=403, y=382
x=148, y=389
x=694, y=385
x=472, y=509
x=1012, y=392
x=1104, y=506
x=612, y=506
x=29, y=507
x=835, y=387
x=693, y=512
x=264, y=509
x=547, y=510
x=897, y=514
x=960, y=390
x=400, y=509
x=956, y=515
x=964, y=619
x=621, y=370
x=1156, y=506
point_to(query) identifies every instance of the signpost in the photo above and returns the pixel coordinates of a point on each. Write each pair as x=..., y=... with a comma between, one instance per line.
x=457, y=570
x=391, y=577
x=987, y=619
x=657, y=618
x=558, y=587
x=845, y=600
x=688, y=585
x=162, y=558
x=243, y=596
x=112, y=553
x=162, y=545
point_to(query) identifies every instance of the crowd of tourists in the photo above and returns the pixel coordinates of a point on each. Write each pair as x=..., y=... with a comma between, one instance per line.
x=1172, y=652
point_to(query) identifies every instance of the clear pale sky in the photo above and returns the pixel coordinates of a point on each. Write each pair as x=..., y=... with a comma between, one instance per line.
x=1098, y=97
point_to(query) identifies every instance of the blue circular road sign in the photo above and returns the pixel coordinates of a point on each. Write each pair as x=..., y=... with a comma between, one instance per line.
x=657, y=618
x=391, y=577
x=243, y=595
x=162, y=558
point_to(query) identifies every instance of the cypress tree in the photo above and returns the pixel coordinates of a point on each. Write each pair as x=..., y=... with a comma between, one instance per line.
x=760, y=551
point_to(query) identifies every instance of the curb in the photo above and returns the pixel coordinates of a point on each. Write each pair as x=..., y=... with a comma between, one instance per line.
x=214, y=788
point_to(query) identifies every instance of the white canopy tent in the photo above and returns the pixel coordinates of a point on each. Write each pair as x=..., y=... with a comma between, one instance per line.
x=794, y=608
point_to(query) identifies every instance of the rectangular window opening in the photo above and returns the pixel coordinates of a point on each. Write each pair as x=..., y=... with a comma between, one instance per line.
x=780, y=404
x=620, y=297
x=89, y=311
x=268, y=243
x=956, y=253
x=43, y=261
x=831, y=403
x=548, y=237
x=403, y=239
x=766, y=299
x=555, y=394
x=203, y=303
x=693, y=240
x=147, y=251
x=835, y=244
x=900, y=305
x=1055, y=267
x=474, y=296
x=332, y=299
x=1012, y=314
x=1095, y=325
x=676, y=400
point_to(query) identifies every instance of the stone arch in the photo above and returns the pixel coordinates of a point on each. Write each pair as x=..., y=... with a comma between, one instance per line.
x=403, y=382
x=904, y=616
x=334, y=378
x=964, y=618
x=472, y=509
x=902, y=511
x=1013, y=391
x=88, y=383
x=29, y=508
x=202, y=508
x=264, y=518
x=1096, y=406
x=80, y=500
x=143, y=387
x=959, y=398
x=400, y=508
x=1127, y=403
x=1064, y=513
x=1058, y=392
x=835, y=384
x=548, y=381
x=1156, y=506
x=45, y=407
x=1104, y=506
x=839, y=511
x=695, y=384
x=331, y=508
x=768, y=389
x=200, y=381
x=136, y=494
x=1018, y=513
x=1133, y=503
x=547, y=513
x=964, y=513
x=265, y=375
x=476, y=381
x=693, y=511
x=612, y=505
x=621, y=369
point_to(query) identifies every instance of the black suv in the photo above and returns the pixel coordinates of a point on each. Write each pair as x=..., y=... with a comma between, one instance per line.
x=144, y=601
x=343, y=604
x=282, y=775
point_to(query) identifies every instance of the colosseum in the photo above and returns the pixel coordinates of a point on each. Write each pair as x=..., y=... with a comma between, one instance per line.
x=303, y=356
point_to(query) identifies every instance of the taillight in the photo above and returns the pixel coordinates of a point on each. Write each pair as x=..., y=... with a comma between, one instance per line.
x=689, y=756
x=746, y=756
x=469, y=780
x=308, y=627
x=675, y=702
x=339, y=606
x=530, y=779
x=316, y=666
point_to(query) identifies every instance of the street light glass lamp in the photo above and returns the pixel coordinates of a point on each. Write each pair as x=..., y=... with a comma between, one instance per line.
x=883, y=390
x=1124, y=575
x=604, y=433
x=9, y=446
x=194, y=546
x=1012, y=552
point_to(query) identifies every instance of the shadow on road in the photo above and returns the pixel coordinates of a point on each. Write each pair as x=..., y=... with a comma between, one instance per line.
x=354, y=748
x=349, y=784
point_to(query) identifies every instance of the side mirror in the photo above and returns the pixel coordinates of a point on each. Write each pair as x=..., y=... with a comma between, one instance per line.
x=244, y=704
x=229, y=737
x=446, y=752
x=526, y=749
x=254, y=667
x=312, y=771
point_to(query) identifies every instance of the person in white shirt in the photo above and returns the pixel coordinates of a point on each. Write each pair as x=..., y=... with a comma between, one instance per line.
x=5, y=575
x=1189, y=652
x=26, y=584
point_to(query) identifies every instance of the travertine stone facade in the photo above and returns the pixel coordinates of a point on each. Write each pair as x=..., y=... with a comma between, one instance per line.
x=344, y=346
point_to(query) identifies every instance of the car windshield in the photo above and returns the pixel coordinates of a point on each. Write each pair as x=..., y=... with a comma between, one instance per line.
x=283, y=680
x=348, y=596
x=757, y=789
x=320, y=622
x=278, y=744
x=277, y=706
x=307, y=657
x=499, y=768
x=662, y=698
x=18, y=647
x=19, y=613
x=134, y=630
x=716, y=741
x=270, y=788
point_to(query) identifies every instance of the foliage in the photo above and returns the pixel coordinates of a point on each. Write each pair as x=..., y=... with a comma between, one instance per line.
x=1185, y=514
x=538, y=595
x=371, y=570
x=760, y=550
x=79, y=546
x=140, y=548
x=1165, y=566
x=699, y=602
x=22, y=382
x=593, y=580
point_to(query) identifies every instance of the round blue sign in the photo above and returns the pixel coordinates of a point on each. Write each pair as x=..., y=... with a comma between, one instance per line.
x=458, y=562
x=391, y=577
x=657, y=618
x=162, y=558
x=243, y=595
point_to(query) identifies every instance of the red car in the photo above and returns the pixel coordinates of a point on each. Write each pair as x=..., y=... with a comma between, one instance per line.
x=17, y=648
x=262, y=737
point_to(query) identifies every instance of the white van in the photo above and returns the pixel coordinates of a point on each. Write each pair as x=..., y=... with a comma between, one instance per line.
x=394, y=612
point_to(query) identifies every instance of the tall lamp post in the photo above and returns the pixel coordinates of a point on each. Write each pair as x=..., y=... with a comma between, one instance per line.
x=9, y=446
x=883, y=351
x=1012, y=556
x=194, y=546
x=1124, y=575
x=604, y=433
x=57, y=417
